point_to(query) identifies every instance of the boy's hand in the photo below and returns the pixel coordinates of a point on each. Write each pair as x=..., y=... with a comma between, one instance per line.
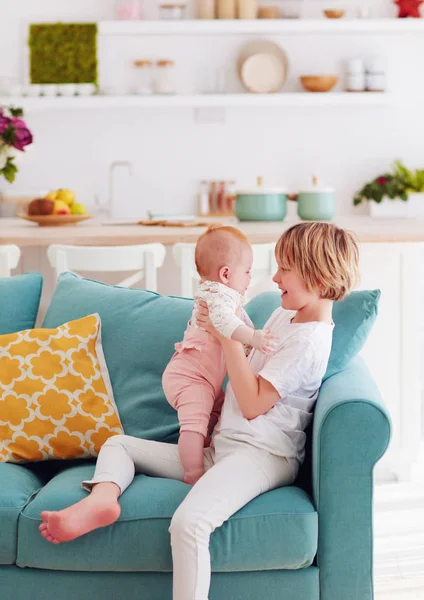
x=264, y=340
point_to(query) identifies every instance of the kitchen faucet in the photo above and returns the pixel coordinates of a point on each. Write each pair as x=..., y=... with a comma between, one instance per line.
x=107, y=207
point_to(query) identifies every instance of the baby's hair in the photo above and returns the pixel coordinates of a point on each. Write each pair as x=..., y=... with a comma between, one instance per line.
x=325, y=256
x=215, y=247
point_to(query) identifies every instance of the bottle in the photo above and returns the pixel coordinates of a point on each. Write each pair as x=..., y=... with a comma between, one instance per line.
x=203, y=202
x=226, y=9
x=221, y=200
x=212, y=198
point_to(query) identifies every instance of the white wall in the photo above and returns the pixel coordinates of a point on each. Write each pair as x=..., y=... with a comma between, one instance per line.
x=170, y=151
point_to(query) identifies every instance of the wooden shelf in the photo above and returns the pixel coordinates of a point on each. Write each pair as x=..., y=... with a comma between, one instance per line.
x=262, y=26
x=300, y=99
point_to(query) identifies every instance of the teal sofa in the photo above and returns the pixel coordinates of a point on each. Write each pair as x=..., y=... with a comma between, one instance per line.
x=310, y=541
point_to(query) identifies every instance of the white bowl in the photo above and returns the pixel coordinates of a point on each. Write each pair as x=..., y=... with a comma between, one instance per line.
x=67, y=89
x=32, y=90
x=49, y=89
x=86, y=89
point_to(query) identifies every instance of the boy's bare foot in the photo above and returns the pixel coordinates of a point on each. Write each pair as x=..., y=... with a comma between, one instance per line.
x=99, y=509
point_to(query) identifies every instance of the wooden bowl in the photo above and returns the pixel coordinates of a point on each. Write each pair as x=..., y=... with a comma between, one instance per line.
x=54, y=220
x=318, y=83
x=334, y=13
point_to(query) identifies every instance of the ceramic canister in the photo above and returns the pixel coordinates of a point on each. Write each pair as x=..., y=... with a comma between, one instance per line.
x=261, y=203
x=316, y=203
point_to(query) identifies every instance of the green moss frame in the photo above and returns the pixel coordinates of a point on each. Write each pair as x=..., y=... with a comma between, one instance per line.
x=63, y=52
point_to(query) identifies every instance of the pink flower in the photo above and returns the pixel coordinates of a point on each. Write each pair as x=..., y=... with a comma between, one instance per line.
x=23, y=136
x=381, y=180
x=4, y=123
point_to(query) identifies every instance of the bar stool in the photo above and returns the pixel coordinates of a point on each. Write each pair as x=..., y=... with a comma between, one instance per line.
x=9, y=259
x=263, y=268
x=145, y=259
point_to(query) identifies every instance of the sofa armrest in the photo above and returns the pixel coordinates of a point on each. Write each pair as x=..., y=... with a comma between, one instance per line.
x=351, y=432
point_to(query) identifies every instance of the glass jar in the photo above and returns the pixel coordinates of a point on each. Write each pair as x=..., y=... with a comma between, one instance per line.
x=144, y=83
x=172, y=12
x=128, y=10
x=165, y=77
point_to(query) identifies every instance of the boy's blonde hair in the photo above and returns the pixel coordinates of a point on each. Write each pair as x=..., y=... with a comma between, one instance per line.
x=325, y=256
x=215, y=248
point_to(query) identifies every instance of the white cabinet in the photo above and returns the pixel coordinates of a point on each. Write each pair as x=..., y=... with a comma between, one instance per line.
x=392, y=351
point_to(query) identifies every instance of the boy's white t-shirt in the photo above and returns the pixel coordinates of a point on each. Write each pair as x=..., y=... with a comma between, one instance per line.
x=295, y=370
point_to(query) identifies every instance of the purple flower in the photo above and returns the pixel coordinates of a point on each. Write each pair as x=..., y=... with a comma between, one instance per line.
x=4, y=123
x=23, y=135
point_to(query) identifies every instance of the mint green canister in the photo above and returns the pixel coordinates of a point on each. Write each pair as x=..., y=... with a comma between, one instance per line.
x=316, y=203
x=261, y=203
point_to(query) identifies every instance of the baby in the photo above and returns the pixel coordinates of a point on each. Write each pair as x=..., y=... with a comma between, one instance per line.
x=193, y=379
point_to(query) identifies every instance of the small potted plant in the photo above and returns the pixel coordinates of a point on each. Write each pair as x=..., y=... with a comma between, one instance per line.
x=14, y=138
x=399, y=193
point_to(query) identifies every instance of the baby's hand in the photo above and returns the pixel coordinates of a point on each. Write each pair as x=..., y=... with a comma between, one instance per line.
x=264, y=340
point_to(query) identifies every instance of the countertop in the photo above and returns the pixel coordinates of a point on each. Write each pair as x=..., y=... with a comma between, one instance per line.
x=93, y=233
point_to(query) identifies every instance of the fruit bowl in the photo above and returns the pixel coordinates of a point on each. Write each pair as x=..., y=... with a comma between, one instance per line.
x=318, y=83
x=54, y=220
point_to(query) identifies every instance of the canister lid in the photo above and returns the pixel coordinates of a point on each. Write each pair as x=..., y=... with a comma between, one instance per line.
x=260, y=189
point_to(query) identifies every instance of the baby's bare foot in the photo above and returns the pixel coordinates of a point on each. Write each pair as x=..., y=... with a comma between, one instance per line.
x=90, y=513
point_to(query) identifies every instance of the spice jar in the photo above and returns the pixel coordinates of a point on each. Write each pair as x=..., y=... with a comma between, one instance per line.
x=375, y=75
x=128, y=10
x=205, y=9
x=172, y=12
x=165, y=77
x=226, y=9
x=144, y=79
x=247, y=9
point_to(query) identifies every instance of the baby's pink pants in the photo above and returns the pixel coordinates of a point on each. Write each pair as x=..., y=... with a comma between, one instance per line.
x=193, y=379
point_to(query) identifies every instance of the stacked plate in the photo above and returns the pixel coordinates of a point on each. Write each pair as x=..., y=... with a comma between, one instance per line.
x=262, y=67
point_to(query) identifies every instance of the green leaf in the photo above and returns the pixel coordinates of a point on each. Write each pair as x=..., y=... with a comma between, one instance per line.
x=16, y=112
x=9, y=170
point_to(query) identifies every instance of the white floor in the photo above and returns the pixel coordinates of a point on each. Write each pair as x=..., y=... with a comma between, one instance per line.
x=399, y=539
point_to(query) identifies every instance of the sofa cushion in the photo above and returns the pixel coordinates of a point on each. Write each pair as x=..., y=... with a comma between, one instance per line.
x=17, y=485
x=19, y=301
x=353, y=316
x=139, y=330
x=56, y=399
x=277, y=530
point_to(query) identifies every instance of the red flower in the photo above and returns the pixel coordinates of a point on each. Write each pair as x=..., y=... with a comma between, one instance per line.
x=381, y=181
x=23, y=135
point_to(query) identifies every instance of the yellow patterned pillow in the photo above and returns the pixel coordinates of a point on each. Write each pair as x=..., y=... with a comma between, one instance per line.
x=56, y=399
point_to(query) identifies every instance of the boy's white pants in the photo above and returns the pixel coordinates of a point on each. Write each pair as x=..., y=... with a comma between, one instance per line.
x=236, y=473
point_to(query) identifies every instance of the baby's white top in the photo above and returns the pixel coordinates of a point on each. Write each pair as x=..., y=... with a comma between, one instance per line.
x=222, y=303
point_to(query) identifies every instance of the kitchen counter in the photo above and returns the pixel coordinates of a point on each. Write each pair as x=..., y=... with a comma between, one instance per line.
x=93, y=233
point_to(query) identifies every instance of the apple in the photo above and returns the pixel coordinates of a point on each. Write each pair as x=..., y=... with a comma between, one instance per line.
x=41, y=206
x=78, y=209
x=61, y=208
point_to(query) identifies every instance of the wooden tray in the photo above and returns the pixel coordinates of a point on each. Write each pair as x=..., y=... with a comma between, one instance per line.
x=164, y=223
x=54, y=220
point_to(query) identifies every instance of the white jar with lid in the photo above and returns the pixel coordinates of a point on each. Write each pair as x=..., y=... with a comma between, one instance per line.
x=375, y=74
x=144, y=83
x=165, y=77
